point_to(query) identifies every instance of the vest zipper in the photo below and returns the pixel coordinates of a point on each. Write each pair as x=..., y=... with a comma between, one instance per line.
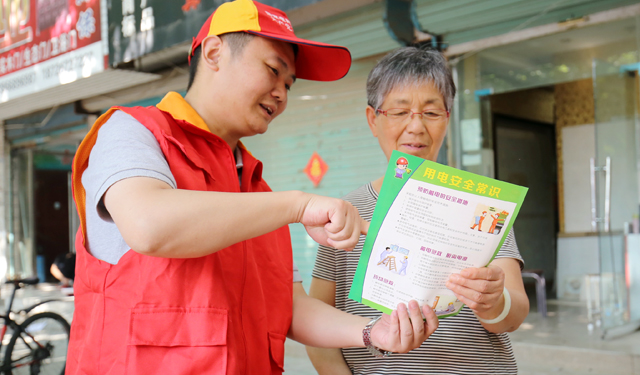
x=238, y=189
x=244, y=283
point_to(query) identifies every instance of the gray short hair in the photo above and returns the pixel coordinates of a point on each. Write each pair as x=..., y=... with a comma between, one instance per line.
x=410, y=66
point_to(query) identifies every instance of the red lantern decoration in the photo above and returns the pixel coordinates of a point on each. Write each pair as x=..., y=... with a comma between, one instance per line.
x=316, y=169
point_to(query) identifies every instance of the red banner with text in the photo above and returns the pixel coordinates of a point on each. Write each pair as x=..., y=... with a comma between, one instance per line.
x=61, y=37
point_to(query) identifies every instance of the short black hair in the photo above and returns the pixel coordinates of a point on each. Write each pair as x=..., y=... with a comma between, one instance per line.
x=193, y=66
x=237, y=41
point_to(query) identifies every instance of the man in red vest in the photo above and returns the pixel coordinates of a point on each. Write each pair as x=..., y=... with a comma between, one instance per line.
x=184, y=262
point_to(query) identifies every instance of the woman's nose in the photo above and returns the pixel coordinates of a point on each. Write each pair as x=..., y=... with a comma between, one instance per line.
x=415, y=125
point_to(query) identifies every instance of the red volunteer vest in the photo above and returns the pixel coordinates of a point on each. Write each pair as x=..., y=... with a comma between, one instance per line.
x=225, y=313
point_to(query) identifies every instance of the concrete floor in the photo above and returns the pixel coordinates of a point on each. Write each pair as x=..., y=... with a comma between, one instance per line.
x=558, y=344
x=563, y=344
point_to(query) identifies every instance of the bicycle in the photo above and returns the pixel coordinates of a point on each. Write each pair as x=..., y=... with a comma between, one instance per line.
x=39, y=344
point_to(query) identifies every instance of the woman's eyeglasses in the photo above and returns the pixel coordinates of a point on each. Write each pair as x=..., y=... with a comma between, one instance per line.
x=402, y=115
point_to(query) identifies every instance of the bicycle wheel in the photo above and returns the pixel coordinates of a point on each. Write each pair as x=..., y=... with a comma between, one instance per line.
x=39, y=347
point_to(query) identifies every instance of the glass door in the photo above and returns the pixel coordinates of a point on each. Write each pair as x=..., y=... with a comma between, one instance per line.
x=615, y=196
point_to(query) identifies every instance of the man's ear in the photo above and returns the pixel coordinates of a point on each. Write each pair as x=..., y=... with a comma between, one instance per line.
x=211, y=51
x=371, y=120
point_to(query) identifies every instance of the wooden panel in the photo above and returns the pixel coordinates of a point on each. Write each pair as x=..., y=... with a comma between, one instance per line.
x=574, y=103
x=535, y=104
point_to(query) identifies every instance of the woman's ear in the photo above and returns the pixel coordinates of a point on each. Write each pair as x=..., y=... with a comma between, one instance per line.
x=211, y=50
x=371, y=120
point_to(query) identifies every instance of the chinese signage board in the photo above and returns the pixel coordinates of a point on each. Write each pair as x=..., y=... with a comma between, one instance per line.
x=138, y=27
x=46, y=43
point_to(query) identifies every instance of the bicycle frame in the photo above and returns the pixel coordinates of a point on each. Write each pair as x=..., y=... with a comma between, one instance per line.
x=17, y=330
x=8, y=322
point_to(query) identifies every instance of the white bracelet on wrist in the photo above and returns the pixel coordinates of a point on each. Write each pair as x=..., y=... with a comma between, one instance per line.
x=503, y=314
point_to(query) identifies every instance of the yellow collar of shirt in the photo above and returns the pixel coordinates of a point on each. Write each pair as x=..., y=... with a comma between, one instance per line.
x=174, y=104
x=179, y=109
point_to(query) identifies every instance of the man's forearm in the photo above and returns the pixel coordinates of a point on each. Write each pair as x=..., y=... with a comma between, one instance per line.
x=175, y=223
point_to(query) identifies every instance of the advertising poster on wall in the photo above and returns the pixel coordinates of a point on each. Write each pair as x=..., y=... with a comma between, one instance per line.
x=46, y=43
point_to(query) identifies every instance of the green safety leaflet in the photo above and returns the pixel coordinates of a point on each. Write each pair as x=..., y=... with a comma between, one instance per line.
x=430, y=221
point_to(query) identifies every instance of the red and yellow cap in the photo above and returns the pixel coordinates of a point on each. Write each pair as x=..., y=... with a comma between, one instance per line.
x=315, y=61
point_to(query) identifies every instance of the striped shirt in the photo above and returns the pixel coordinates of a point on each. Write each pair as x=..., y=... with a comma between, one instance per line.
x=460, y=345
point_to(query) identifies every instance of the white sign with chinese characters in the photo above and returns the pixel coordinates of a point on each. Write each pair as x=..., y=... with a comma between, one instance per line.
x=46, y=43
x=80, y=63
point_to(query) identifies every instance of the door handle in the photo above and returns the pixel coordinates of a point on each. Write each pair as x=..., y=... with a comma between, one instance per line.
x=607, y=195
x=592, y=177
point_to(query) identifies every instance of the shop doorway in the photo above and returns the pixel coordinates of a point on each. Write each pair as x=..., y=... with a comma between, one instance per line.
x=525, y=155
x=584, y=83
x=51, y=211
x=523, y=135
x=42, y=215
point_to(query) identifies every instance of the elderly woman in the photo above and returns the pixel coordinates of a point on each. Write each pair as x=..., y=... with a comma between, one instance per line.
x=410, y=93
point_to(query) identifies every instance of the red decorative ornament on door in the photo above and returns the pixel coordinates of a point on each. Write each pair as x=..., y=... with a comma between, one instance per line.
x=316, y=169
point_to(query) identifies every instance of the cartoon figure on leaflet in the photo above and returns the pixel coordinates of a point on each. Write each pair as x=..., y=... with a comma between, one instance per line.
x=387, y=260
x=435, y=303
x=402, y=165
x=479, y=220
x=385, y=253
x=450, y=308
x=498, y=222
x=495, y=218
x=404, y=263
